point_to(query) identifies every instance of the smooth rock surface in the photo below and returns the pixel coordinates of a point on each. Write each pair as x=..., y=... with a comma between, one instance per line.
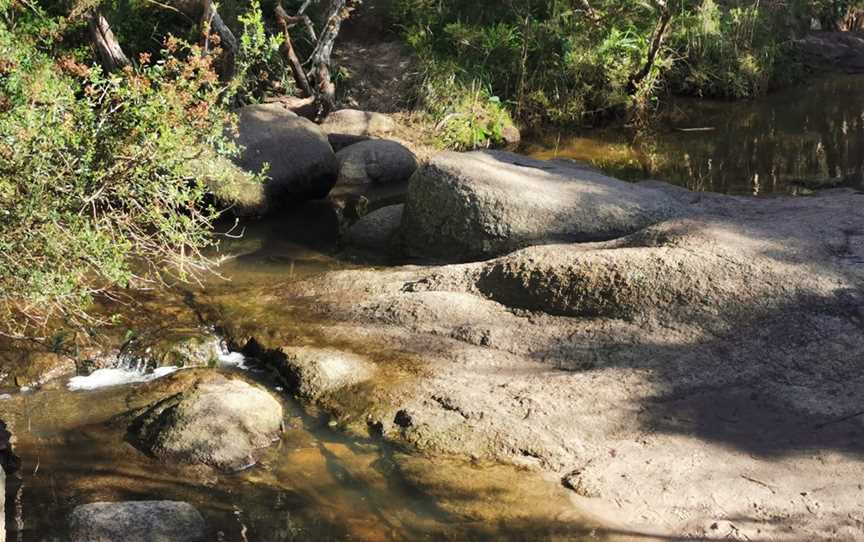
x=662, y=375
x=376, y=161
x=140, y=521
x=377, y=230
x=477, y=205
x=358, y=123
x=218, y=421
x=302, y=164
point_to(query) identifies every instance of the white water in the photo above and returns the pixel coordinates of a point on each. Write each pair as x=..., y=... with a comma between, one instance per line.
x=232, y=359
x=104, y=378
x=134, y=371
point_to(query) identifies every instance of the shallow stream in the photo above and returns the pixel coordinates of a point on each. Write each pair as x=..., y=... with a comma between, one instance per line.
x=316, y=484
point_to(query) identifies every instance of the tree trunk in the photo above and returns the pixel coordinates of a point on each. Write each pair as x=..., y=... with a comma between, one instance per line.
x=657, y=39
x=111, y=55
x=325, y=89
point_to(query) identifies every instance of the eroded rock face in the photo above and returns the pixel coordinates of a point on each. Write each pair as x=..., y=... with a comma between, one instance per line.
x=140, y=521
x=471, y=206
x=376, y=161
x=302, y=164
x=218, y=421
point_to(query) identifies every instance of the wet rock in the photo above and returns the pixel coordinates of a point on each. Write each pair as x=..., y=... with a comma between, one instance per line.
x=141, y=521
x=376, y=161
x=376, y=231
x=28, y=368
x=576, y=481
x=302, y=164
x=476, y=205
x=690, y=360
x=218, y=421
x=8, y=459
x=315, y=372
x=354, y=122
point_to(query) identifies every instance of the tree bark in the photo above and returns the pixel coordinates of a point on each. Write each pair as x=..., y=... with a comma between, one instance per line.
x=288, y=51
x=111, y=55
x=325, y=89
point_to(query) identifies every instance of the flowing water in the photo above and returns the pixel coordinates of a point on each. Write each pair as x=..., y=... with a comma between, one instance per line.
x=317, y=484
x=786, y=143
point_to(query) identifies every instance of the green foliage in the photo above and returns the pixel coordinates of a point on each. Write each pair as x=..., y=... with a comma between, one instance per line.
x=730, y=53
x=261, y=68
x=95, y=187
x=548, y=61
x=470, y=119
x=574, y=62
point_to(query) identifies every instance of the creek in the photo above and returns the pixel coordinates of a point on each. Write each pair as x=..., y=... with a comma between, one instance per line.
x=321, y=483
x=318, y=483
x=789, y=142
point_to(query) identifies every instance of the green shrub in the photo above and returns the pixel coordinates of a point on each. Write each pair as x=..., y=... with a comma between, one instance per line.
x=471, y=119
x=95, y=188
x=261, y=69
x=730, y=52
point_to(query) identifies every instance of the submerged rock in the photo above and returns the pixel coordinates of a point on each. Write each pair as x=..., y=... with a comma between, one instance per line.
x=140, y=521
x=476, y=205
x=376, y=161
x=301, y=162
x=21, y=368
x=218, y=421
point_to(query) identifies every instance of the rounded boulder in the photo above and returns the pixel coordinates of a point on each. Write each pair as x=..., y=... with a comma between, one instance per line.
x=218, y=421
x=375, y=161
x=299, y=161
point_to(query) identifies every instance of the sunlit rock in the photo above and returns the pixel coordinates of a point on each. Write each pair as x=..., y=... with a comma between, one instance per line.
x=218, y=421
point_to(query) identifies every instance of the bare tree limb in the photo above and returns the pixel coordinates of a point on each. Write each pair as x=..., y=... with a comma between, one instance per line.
x=337, y=12
x=111, y=55
x=287, y=49
x=661, y=29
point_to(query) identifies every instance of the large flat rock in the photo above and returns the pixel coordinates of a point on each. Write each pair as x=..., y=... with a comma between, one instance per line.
x=477, y=205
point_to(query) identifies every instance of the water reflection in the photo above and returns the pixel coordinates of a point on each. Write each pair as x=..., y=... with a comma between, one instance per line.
x=790, y=142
